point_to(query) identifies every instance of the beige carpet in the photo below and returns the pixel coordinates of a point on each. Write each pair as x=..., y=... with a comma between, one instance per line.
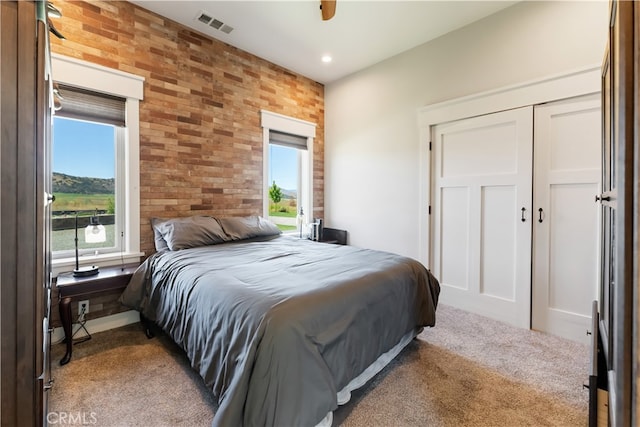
x=467, y=371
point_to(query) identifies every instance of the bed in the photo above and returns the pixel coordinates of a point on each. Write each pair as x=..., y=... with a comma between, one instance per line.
x=281, y=329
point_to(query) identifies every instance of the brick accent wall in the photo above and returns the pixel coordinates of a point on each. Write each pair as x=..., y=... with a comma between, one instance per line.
x=200, y=134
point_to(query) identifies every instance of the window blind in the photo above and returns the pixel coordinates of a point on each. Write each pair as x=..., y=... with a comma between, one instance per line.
x=82, y=104
x=287, y=140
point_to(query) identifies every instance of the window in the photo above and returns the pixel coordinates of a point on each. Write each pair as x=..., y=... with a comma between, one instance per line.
x=287, y=155
x=85, y=183
x=96, y=147
x=88, y=138
x=288, y=172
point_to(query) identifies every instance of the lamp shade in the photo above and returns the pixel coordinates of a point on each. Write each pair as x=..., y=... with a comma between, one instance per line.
x=95, y=233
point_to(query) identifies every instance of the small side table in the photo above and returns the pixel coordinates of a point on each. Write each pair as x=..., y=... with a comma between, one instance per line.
x=334, y=235
x=77, y=288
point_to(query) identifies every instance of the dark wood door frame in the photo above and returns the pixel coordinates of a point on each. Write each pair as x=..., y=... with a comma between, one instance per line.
x=21, y=248
x=624, y=119
x=621, y=201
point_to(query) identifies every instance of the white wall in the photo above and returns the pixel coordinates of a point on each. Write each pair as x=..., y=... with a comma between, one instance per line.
x=371, y=130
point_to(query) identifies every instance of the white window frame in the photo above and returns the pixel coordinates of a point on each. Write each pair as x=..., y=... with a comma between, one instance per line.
x=293, y=126
x=101, y=79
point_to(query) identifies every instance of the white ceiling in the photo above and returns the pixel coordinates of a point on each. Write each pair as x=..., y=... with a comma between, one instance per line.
x=293, y=35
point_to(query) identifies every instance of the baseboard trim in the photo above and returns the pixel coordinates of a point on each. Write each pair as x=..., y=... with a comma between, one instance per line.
x=100, y=324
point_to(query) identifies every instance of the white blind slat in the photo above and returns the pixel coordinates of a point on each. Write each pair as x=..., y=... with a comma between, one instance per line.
x=287, y=140
x=91, y=106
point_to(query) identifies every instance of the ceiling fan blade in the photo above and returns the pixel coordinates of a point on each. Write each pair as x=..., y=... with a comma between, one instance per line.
x=328, y=8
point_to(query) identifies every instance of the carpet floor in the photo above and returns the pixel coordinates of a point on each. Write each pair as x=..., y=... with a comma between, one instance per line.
x=467, y=371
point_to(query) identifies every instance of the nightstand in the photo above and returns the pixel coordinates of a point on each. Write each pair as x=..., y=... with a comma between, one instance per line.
x=334, y=235
x=77, y=288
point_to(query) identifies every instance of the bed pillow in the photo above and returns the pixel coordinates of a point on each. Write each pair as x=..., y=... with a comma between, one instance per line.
x=161, y=244
x=246, y=227
x=189, y=232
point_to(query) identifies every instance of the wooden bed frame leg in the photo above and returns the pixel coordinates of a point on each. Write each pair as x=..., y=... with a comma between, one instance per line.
x=146, y=326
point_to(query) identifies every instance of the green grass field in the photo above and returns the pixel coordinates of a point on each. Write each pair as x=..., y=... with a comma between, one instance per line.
x=81, y=202
x=290, y=207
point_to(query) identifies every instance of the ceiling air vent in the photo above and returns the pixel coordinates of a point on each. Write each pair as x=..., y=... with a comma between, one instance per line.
x=203, y=17
x=209, y=20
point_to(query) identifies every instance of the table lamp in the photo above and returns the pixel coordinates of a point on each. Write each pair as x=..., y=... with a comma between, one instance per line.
x=93, y=233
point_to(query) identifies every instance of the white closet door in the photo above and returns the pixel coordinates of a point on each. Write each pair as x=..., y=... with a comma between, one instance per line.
x=482, y=181
x=567, y=162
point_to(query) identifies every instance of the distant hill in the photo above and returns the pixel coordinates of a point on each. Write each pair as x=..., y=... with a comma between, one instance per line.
x=63, y=183
x=289, y=194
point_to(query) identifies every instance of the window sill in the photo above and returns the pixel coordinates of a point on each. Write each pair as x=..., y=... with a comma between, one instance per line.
x=61, y=265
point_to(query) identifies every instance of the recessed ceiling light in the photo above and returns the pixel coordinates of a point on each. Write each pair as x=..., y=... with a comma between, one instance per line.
x=326, y=59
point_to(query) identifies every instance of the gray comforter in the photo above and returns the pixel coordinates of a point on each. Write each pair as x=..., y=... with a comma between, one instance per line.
x=276, y=328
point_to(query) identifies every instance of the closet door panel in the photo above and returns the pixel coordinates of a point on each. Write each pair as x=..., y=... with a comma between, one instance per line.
x=571, y=218
x=483, y=173
x=491, y=147
x=454, y=265
x=567, y=163
x=498, y=238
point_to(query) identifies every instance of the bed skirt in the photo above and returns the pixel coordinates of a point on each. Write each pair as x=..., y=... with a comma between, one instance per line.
x=378, y=365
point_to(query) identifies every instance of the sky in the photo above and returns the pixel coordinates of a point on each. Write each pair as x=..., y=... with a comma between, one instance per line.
x=284, y=167
x=83, y=149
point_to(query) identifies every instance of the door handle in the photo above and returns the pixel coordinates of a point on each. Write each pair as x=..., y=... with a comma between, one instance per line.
x=49, y=198
x=523, y=210
x=602, y=198
x=540, y=215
